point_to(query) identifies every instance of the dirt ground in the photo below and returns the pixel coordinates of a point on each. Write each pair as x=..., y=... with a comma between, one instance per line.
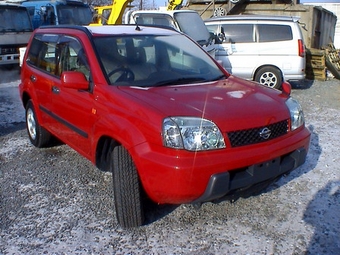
x=53, y=201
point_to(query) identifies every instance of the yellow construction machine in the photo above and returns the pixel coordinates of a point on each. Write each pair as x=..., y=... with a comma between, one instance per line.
x=174, y=5
x=110, y=14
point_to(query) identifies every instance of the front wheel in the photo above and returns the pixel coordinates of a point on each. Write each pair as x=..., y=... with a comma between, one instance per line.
x=269, y=76
x=38, y=136
x=127, y=189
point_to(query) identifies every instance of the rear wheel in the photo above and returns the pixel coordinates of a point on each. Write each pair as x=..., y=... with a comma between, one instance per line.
x=127, y=189
x=269, y=76
x=38, y=136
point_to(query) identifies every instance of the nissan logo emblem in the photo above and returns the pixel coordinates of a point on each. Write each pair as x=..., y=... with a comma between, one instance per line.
x=265, y=133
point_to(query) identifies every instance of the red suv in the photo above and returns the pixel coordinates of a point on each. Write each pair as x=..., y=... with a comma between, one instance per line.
x=152, y=107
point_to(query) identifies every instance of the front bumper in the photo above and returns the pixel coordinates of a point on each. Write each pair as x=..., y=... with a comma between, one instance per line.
x=222, y=184
x=179, y=177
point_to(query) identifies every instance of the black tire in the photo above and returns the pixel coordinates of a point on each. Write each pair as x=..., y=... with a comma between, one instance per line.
x=127, y=189
x=38, y=135
x=269, y=76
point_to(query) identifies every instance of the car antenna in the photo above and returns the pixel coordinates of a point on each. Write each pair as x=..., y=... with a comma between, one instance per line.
x=137, y=27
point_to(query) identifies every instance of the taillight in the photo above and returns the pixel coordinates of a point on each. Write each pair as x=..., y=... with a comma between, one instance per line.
x=301, y=48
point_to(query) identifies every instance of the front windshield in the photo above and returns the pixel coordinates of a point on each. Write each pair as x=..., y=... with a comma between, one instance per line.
x=159, y=60
x=74, y=15
x=15, y=19
x=193, y=25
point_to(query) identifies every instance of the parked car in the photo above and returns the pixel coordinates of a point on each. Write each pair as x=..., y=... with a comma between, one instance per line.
x=155, y=109
x=186, y=21
x=266, y=49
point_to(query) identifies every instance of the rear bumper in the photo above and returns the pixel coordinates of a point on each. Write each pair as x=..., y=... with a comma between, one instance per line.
x=222, y=184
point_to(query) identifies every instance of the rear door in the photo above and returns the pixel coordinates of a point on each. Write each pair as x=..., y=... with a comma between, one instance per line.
x=72, y=108
x=42, y=66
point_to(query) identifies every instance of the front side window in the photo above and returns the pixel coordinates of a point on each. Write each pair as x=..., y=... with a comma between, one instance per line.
x=238, y=33
x=148, y=61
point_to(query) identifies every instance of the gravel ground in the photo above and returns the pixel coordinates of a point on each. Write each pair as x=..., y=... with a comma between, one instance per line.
x=53, y=201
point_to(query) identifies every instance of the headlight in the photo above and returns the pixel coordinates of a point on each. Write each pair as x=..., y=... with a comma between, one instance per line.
x=193, y=134
x=297, y=118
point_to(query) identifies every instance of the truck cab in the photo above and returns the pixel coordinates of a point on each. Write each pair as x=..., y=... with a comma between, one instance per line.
x=59, y=12
x=186, y=21
x=15, y=31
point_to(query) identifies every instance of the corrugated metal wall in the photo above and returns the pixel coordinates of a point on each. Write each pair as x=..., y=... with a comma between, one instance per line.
x=334, y=8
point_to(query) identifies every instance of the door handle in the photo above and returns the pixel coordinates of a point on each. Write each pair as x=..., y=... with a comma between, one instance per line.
x=55, y=90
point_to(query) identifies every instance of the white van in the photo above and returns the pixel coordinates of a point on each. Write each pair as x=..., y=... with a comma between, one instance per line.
x=266, y=49
x=186, y=21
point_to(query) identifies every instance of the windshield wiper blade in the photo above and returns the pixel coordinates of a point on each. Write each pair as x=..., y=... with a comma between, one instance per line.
x=221, y=77
x=179, y=81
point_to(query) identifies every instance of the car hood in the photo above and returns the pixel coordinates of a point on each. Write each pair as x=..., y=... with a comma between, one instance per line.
x=232, y=103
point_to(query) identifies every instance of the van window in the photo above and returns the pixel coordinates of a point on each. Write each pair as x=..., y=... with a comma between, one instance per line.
x=238, y=33
x=274, y=33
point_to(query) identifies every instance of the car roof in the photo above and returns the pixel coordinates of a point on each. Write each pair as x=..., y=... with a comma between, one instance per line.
x=253, y=17
x=132, y=29
x=129, y=30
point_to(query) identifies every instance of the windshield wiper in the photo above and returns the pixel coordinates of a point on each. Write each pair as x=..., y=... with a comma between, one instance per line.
x=221, y=77
x=179, y=81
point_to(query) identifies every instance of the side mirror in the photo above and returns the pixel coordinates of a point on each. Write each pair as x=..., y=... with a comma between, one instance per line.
x=74, y=80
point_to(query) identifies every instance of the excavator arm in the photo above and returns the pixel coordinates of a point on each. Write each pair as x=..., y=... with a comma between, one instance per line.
x=110, y=14
x=174, y=5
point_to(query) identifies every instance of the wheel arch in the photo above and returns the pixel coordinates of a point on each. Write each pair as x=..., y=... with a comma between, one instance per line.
x=112, y=132
x=257, y=70
x=25, y=98
x=104, y=148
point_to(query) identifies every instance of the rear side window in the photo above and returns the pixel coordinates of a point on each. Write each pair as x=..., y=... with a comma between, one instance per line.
x=42, y=53
x=238, y=33
x=55, y=54
x=274, y=33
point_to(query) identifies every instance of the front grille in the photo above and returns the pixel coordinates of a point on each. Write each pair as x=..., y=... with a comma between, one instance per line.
x=252, y=136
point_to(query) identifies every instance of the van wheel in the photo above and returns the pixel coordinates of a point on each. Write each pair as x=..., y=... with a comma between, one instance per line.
x=38, y=135
x=127, y=189
x=269, y=76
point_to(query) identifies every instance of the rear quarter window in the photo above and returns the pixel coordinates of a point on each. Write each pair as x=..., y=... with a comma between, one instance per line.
x=274, y=33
